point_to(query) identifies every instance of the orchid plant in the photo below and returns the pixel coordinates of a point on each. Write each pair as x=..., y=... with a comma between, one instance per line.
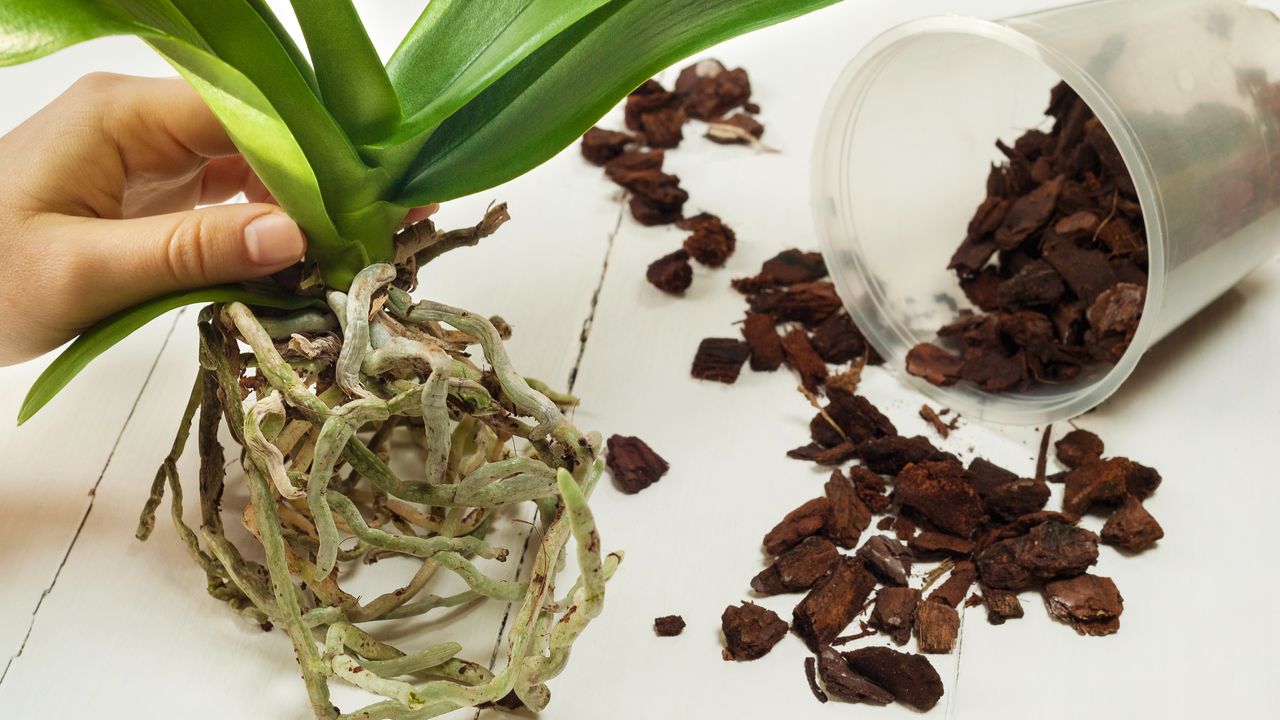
x=324, y=384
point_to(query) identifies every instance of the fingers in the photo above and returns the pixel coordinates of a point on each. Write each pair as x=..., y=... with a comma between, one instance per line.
x=129, y=261
x=160, y=113
x=419, y=214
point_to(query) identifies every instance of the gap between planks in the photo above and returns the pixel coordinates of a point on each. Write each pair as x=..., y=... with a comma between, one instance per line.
x=93, y=496
x=583, y=337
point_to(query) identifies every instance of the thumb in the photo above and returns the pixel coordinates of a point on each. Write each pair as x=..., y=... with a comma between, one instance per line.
x=137, y=259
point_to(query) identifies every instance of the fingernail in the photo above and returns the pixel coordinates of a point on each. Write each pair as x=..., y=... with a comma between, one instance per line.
x=273, y=239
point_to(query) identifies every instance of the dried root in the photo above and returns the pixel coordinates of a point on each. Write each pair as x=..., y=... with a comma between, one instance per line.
x=318, y=416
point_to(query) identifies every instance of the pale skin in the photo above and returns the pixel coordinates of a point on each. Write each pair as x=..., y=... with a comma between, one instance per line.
x=98, y=209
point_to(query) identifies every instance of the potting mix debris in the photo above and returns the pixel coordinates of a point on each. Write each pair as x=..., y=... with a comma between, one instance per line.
x=1069, y=278
x=1066, y=292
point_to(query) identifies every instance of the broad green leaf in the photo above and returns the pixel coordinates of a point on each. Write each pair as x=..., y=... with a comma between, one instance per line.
x=239, y=37
x=31, y=29
x=287, y=42
x=99, y=338
x=457, y=48
x=556, y=94
x=353, y=82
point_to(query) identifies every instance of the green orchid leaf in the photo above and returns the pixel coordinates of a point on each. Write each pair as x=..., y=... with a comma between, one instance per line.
x=557, y=93
x=236, y=33
x=457, y=48
x=287, y=42
x=353, y=82
x=31, y=29
x=99, y=338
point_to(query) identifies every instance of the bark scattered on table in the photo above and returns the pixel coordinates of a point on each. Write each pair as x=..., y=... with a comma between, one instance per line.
x=668, y=626
x=750, y=631
x=656, y=117
x=633, y=464
x=720, y=359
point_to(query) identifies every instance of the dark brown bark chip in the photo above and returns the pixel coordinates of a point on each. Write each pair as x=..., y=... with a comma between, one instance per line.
x=1028, y=214
x=844, y=684
x=711, y=242
x=937, y=626
x=794, y=266
x=711, y=96
x=747, y=124
x=1091, y=604
x=1004, y=494
x=647, y=212
x=930, y=543
x=888, y=455
x=801, y=357
x=1002, y=605
x=1079, y=447
x=833, y=603
x=934, y=364
x=692, y=74
x=648, y=87
x=720, y=359
x=797, y=569
x=1049, y=550
x=911, y=678
x=762, y=337
x=871, y=489
x=889, y=559
x=895, y=612
x=1131, y=527
x=838, y=340
x=1118, y=309
x=1016, y=499
x=940, y=491
x=672, y=274
x=811, y=674
x=986, y=476
x=972, y=255
x=849, y=515
x=954, y=589
x=663, y=128
x=1141, y=480
x=856, y=417
x=1100, y=482
x=633, y=464
x=1037, y=283
x=631, y=162
x=649, y=102
x=750, y=631
x=599, y=146
x=807, y=303
x=808, y=519
x=768, y=582
x=1086, y=272
x=668, y=626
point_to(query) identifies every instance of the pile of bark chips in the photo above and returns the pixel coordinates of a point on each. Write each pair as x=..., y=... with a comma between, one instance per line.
x=904, y=535
x=1055, y=261
x=655, y=118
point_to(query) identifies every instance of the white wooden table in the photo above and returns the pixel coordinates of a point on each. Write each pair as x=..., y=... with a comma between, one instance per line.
x=95, y=624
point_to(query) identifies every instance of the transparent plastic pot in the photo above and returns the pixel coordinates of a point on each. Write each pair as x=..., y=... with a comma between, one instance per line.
x=907, y=139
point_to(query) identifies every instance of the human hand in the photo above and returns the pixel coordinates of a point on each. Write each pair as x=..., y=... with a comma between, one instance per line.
x=96, y=209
